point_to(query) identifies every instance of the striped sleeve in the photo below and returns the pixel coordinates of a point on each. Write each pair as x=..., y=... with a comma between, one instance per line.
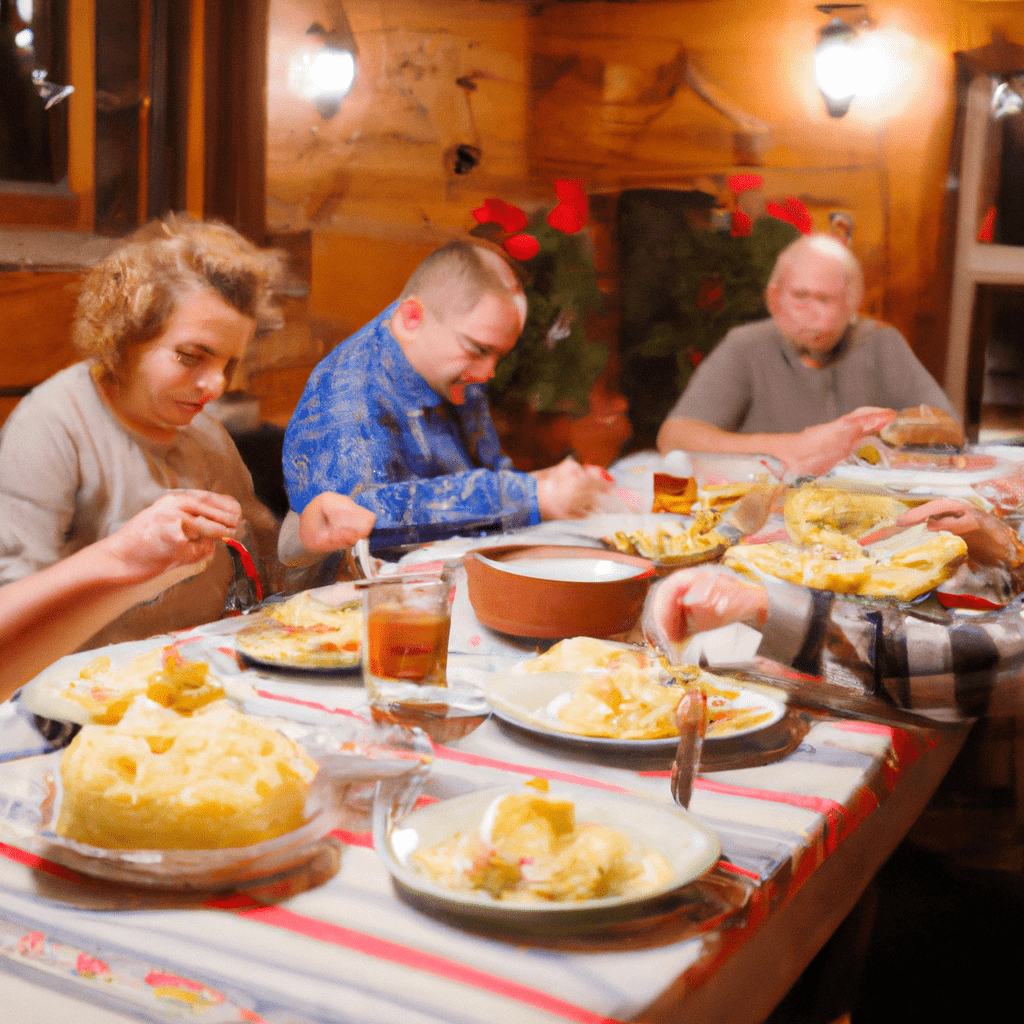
x=948, y=668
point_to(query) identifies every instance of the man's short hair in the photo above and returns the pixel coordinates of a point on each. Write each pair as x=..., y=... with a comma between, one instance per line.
x=454, y=278
x=832, y=248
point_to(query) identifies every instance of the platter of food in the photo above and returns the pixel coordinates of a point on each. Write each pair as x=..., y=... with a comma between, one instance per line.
x=557, y=859
x=621, y=699
x=319, y=633
x=207, y=802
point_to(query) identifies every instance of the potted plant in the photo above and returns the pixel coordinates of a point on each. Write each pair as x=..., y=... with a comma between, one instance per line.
x=547, y=377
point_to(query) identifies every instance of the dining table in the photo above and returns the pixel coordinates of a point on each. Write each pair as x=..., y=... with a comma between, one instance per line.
x=804, y=817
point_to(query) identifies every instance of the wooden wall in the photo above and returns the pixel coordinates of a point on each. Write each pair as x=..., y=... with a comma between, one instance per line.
x=669, y=93
x=672, y=93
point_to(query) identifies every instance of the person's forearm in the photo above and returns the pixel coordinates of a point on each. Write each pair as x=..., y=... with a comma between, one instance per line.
x=697, y=436
x=54, y=611
x=291, y=551
x=468, y=497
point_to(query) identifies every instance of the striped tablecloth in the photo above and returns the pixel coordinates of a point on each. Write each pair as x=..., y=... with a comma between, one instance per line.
x=344, y=946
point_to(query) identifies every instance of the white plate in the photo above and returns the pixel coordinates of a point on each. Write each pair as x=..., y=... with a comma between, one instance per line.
x=690, y=847
x=47, y=694
x=341, y=797
x=529, y=700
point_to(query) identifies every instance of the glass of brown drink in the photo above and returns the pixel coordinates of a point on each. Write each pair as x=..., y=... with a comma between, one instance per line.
x=405, y=639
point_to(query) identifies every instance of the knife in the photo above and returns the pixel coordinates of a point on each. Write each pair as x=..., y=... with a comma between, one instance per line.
x=749, y=514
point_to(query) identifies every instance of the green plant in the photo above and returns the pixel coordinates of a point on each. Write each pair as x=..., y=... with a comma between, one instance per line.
x=685, y=285
x=553, y=365
x=720, y=282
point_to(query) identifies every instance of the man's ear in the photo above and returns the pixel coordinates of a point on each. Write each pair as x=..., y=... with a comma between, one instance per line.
x=409, y=315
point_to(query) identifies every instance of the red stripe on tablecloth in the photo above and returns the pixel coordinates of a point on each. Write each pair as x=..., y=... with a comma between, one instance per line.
x=479, y=761
x=735, y=869
x=416, y=959
x=821, y=804
x=30, y=860
x=842, y=819
x=267, y=695
x=364, y=839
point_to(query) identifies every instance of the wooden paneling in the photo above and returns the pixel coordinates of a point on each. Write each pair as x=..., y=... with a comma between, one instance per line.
x=37, y=312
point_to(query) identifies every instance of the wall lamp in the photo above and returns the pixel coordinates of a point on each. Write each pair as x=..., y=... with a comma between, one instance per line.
x=323, y=70
x=1007, y=98
x=836, y=58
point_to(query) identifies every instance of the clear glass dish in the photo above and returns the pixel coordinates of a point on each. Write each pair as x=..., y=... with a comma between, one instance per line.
x=353, y=758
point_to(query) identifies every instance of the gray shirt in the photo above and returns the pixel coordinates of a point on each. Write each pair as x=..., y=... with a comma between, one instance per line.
x=753, y=381
x=71, y=474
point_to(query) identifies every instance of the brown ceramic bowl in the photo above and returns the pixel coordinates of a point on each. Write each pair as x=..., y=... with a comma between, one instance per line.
x=550, y=592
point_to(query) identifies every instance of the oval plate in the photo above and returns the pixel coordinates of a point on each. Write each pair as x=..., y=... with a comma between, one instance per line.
x=690, y=847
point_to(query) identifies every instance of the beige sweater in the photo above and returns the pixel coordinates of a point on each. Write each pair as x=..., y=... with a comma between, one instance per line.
x=71, y=473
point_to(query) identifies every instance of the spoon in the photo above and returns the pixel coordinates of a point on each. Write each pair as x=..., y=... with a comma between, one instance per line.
x=690, y=718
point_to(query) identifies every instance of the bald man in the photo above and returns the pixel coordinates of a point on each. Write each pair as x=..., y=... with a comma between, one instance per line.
x=396, y=417
x=812, y=382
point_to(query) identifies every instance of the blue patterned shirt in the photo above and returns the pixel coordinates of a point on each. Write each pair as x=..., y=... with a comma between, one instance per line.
x=369, y=426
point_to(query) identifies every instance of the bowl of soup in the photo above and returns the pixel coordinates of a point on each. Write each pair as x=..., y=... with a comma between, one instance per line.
x=551, y=591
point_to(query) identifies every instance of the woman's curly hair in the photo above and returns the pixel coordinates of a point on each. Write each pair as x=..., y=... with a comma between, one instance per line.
x=128, y=297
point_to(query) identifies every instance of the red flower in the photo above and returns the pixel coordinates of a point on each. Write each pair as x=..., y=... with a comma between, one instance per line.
x=987, y=230
x=571, y=213
x=521, y=247
x=510, y=217
x=792, y=211
x=743, y=183
x=741, y=225
x=693, y=357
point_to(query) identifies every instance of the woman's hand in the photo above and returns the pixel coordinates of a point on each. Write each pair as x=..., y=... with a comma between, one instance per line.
x=694, y=600
x=332, y=521
x=180, y=528
x=989, y=540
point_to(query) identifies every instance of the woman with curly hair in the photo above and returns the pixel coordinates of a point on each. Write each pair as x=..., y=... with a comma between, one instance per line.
x=161, y=325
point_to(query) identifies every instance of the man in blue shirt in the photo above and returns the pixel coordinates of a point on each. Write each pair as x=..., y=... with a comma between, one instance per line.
x=396, y=417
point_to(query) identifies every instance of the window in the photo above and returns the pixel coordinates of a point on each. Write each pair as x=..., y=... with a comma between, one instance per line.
x=33, y=91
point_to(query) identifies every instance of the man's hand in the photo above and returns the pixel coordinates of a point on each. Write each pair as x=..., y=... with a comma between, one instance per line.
x=694, y=600
x=989, y=540
x=817, y=449
x=180, y=528
x=571, y=491
x=333, y=521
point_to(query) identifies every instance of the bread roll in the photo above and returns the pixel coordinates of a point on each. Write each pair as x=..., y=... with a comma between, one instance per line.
x=159, y=781
x=923, y=425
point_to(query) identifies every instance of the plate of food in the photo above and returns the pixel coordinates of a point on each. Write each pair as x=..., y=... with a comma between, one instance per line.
x=313, y=631
x=98, y=688
x=210, y=801
x=539, y=857
x=672, y=542
x=621, y=699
